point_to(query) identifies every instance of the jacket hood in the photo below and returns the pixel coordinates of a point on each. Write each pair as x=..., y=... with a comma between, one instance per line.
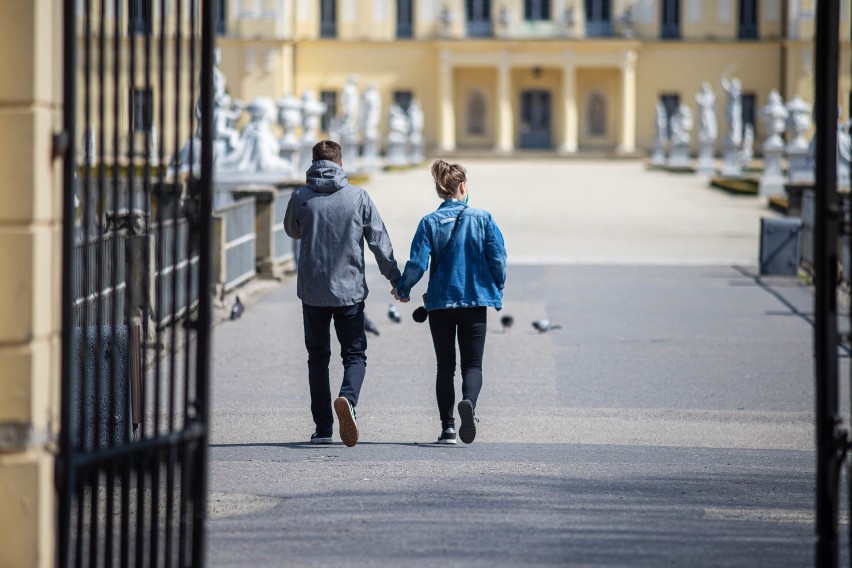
x=326, y=177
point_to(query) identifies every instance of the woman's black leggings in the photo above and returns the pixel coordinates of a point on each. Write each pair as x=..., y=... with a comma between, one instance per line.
x=470, y=325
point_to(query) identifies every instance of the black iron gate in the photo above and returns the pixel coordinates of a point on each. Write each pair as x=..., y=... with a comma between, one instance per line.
x=137, y=176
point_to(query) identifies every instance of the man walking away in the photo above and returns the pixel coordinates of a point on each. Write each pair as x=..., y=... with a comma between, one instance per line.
x=332, y=219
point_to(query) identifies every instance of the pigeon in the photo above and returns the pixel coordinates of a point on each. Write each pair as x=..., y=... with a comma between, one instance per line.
x=369, y=327
x=237, y=309
x=393, y=314
x=544, y=325
x=506, y=322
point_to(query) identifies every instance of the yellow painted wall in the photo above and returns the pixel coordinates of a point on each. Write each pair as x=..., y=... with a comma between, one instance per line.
x=465, y=80
x=607, y=82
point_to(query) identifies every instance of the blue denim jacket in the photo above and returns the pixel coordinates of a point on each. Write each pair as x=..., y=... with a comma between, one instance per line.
x=471, y=273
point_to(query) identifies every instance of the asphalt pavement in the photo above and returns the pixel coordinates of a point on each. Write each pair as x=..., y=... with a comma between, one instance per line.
x=669, y=422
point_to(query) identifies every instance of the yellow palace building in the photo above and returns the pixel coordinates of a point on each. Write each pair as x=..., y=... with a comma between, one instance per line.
x=506, y=75
x=568, y=76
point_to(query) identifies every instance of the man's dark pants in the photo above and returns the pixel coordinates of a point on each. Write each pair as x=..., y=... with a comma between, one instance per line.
x=349, y=326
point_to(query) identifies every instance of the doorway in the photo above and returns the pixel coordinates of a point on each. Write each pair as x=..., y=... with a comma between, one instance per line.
x=535, y=119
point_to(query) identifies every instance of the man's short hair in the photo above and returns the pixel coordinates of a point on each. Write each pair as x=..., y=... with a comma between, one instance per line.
x=327, y=150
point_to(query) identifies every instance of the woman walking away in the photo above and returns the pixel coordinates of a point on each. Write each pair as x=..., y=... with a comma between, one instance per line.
x=466, y=257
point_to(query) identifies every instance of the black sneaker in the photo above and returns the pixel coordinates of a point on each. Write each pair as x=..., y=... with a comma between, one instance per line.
x=346, y=421
x=467, y=431
x=321, y=438
x=448, y=436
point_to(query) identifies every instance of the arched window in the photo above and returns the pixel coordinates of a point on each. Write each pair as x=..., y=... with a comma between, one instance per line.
x=476, y=113
x=596, y=114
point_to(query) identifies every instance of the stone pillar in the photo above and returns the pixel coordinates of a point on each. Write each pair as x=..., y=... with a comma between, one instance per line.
x=264, y=225
x=505, y=131
x=30, y=280
x=628, y=104
x=447, y=139
x=569, y=101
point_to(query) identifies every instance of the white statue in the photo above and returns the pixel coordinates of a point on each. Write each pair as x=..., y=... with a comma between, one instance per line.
x=415, y=135
x=258, y=152
x=747, y=150
x=312, y=111
x=290, y=118
x=799, y=166
x=351, y=103
x=731, y=167
x=798, y=122
x=775, y=116
x=398, y=129
x=226, y=138
x=371, y=112
x=661, y=135
x=682, y=126
x=734, y=110
x=706, y=99
x=681, y=134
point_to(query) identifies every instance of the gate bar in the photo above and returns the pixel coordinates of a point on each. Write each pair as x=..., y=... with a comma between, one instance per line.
x=199, y=505
x=825, y=276
x=65, y=475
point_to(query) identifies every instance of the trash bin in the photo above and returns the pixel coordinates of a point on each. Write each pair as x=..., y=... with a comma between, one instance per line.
x=779, y=246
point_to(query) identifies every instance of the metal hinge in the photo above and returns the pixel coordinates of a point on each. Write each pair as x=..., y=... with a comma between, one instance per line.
x=60, y=142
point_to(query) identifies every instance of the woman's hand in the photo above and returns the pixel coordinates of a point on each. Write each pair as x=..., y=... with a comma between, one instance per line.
x=398, y=297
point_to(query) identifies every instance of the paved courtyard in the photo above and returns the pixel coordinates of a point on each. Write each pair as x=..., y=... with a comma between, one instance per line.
x=669, y=422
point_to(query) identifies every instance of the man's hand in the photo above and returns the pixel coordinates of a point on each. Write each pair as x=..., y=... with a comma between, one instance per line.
x=397, y=296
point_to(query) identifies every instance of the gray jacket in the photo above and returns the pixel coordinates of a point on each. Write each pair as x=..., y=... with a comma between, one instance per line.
x=333, y=219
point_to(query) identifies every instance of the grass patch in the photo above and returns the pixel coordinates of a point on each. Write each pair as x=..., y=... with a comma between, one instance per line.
x=779, y=204
x=744, y=186
x=680, y=170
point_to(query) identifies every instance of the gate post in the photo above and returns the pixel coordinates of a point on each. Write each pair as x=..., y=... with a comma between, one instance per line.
x=30, y=221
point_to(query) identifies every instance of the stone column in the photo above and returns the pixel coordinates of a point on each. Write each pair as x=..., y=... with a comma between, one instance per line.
x=30, y=280
x=628, y=104
x=569, y=102
x=447, y=136
x=505, y=132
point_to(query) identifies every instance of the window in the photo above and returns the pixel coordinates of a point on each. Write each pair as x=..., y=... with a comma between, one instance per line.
x=598, y=18
x=749, y=105
x=404, y=20
x=670, y=25
x=478, y=13
x=748, y=19
x=328, y=18
x=596, y=115
x=140, y=21
x=221, y=16
x=536, y=10
x=142, y=101
x=476, y=113
x=403, y=99
x=671, y=101
x=329, y=98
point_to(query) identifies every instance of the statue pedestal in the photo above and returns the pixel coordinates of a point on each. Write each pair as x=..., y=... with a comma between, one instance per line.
x=658, y=156
x=678, y=156
x=395, y=152
x=799, y=167
x=731, y=167
x=415, y=151
x=349, y=147
x=772, y=180
x=290, y=151
x=370, y=155
x=706, y=162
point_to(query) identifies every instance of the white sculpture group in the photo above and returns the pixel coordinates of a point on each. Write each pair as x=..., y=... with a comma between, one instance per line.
x=794, y=118
x=254, y=154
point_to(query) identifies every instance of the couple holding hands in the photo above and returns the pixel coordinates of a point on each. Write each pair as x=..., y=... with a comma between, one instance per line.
x=462, y=248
